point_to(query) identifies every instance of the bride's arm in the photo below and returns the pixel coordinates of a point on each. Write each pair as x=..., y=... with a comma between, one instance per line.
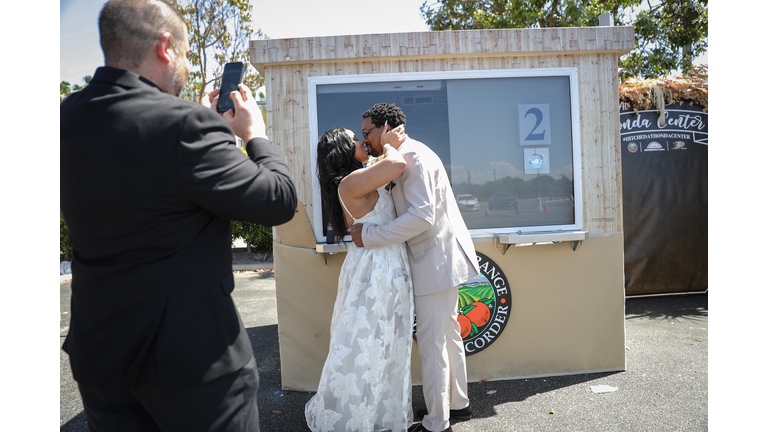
x=388, y=168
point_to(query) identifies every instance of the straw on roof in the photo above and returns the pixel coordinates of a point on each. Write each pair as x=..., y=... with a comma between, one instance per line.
x=691, y=87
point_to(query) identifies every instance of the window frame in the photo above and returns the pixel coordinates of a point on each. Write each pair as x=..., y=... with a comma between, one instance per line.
x=503, y=235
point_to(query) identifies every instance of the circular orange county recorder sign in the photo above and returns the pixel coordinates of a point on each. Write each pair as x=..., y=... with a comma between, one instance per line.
x=484, y=305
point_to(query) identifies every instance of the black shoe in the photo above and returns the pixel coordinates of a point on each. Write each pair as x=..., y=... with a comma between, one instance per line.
x=420, y=428
x=461, y=414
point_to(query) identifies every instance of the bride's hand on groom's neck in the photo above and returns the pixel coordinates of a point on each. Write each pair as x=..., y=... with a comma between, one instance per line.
x=394, y=137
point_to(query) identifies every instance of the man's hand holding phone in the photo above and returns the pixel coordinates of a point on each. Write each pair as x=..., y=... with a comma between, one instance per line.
x=245, y=120
x=230, y=78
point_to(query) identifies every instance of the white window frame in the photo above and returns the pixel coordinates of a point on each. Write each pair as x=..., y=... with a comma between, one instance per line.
x=511, y=235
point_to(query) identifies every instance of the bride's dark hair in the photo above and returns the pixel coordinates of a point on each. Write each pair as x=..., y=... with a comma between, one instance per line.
x=335, y=160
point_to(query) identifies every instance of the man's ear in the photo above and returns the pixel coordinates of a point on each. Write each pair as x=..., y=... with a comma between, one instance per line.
x=164, y=48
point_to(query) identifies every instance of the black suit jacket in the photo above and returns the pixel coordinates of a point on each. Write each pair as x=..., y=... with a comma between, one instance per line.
x=149, y=186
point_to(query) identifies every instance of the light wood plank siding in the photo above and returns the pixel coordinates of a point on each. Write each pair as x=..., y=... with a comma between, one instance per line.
x=594, y=51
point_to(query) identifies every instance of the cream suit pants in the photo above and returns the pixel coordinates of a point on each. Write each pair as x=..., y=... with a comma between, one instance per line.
x=443, y=364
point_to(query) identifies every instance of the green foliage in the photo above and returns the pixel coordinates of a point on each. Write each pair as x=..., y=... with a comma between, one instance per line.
x=66, y=89
x=469, y=295
x=64, y=244
x=256, y=236
x=490, y=14
x=263, y=108
x=219, y=32
x=669, y=34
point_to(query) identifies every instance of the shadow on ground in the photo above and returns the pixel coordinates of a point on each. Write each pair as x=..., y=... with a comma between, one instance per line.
x=76, y=424
x=687, y=306
x=282, y=410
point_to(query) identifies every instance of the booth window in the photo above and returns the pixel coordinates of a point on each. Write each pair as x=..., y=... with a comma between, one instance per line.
x=509, y=139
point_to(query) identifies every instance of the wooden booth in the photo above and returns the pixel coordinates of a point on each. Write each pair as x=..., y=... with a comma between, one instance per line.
x=526, y=123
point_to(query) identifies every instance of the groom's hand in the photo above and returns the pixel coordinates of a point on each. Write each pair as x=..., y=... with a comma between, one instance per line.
x=356, y=231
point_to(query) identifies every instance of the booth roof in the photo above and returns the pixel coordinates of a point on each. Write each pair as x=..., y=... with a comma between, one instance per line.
x=691, y=87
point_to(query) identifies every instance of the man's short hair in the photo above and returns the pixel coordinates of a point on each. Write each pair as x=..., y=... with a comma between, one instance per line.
x=383, y=112
x=130, y=28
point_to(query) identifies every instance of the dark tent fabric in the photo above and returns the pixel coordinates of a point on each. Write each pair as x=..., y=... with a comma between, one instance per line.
x=665, y=200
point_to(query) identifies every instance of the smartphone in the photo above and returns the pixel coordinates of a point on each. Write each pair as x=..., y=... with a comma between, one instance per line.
x=233, y=75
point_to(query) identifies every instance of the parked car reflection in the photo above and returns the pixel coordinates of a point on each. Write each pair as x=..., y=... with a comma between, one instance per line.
x=502, y=200
x=467, y=203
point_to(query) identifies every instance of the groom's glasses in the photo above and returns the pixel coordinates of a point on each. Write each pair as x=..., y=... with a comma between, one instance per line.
x=366, y=132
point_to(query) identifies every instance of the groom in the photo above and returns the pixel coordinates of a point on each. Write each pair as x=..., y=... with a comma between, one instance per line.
x=442, y=256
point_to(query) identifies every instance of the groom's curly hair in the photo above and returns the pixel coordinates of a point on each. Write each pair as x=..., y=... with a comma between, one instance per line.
x=384, y=112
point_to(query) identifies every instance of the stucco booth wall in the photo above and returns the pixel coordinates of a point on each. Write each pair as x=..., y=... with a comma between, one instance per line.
x=564, y=319
x=585, y=286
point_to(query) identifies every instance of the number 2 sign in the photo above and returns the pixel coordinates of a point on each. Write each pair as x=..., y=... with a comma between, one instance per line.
x=534, y=125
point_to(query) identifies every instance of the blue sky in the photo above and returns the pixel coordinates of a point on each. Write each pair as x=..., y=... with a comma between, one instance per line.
x=79, y=38
x=81, y=53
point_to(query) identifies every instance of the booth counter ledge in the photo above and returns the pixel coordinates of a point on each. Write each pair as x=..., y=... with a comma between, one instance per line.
x=503, y=240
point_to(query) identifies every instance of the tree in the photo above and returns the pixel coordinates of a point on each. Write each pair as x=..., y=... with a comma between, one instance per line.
x=669, y=34
x=64, y=245
x=256, y=236
x=219, y=32
x=66, y=89
x=488, y=14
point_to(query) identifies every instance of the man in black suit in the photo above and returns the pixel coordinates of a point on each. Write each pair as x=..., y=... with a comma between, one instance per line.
x=149, y=186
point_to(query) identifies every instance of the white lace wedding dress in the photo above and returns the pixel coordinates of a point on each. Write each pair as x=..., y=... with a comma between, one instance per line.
x=366, y=380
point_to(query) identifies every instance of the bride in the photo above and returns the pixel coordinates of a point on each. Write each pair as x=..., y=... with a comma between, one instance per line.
x=366, y=380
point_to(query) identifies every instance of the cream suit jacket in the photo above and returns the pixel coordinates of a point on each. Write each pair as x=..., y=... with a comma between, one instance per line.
x=440, y=248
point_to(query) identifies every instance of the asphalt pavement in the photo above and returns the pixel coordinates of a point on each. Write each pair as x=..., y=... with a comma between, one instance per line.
x=664, y=388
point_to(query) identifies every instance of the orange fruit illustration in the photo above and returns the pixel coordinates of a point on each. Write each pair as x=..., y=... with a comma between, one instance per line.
x=480, y=314
x=466, y=325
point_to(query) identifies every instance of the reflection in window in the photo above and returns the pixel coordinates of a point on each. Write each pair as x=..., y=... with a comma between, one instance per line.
x=506, y=142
